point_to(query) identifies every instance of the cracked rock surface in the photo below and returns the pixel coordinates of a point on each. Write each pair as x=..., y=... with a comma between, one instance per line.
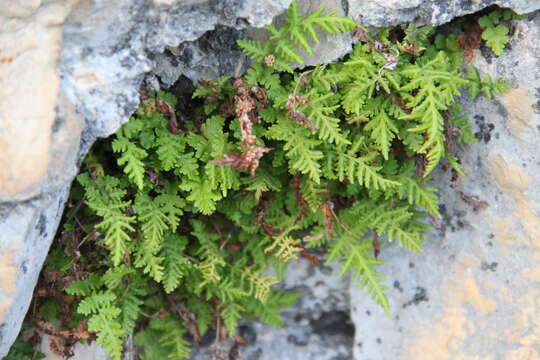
x=70, y=73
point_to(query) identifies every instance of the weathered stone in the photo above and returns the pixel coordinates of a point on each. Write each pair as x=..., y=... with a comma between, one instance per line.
x=39, y=142
x=318, y=327
x=216, y=53
x=394, y=12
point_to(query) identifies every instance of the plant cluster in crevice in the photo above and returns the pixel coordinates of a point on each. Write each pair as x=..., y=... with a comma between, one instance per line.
x=174, y=224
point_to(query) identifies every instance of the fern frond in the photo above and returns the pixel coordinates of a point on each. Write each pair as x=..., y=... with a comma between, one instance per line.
x=175, y=264
x=328, y=128
x=109, y=331
x=299, y=148
x=93, y=303
x=358, y=170
x=286, y=247
x=262, y=182
x=231, y=315
x=256, y=50
x=85, y=287
x=130, y=304
x=383, y=130
x=114, y=276
x=355, y=259
x=201, y=195
x=104, y=197
x=169, y=149
x=423, y=196
x=259, y=285
x=409, y=240
x=131, y=156
x=270, y=312
x=171, y=335
x=312, y=193
x=209, y=267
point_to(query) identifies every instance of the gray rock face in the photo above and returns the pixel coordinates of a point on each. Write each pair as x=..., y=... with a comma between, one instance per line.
x=318, y=327
x=394, y=12
x=70, y=71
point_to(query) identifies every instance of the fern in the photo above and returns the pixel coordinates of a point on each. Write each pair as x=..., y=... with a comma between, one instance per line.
x=495, y=34
x=296, y=31
x=176, y=237
x=436, y=89
x=131, y=157
x=175, y=264
x=356, y=259
x=231, y=315
x=104, y=197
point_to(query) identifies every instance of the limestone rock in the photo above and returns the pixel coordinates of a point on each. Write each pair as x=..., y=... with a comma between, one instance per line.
x=394, y=12
x=318, y=327
x=39, y=143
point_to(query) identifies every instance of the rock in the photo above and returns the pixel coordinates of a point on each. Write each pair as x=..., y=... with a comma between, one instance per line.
x=318, y=327
x=70, y=73
x=216, y=53
x=426, y=12
x=81, y=351
x=473, y=293
x=39, y=145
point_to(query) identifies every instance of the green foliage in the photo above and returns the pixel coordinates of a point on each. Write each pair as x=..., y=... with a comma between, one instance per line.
x=177, y=230
x=23, y=348
x=486, y=86
x=283, y=44
x=495, y=34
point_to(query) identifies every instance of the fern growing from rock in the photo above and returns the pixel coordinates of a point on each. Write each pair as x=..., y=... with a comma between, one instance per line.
x=180, y=228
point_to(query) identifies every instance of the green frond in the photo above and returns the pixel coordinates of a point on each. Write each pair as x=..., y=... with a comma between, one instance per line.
x=355, y=259
x=131, y=156
x=227, y=290
x=409, y=240
x=210, y=265
x=260, y=286
x=417, y=194
x=109, y=332
x=151, y=264
x=130, y=304
x=170, y=148
x=284, y=247
x=328, y=128
x=312, y=193
x=256, y=50
x=165, y=336
x=299, y=148
x=262, y=182
x=114, y=276
x=270, y=312
x=358, y=170
x=201, y=195
x=104, y=197
x=175, y=263
x=93, y=303
x=231, y=315
x=85, y=287
x=153, y=221
x=383, y=131
x=172, y=206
